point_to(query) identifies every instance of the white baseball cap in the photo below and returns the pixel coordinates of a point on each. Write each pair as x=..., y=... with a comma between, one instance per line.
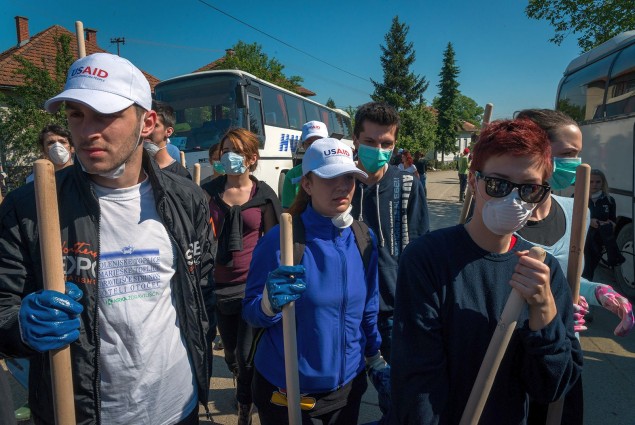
x=329, y=158
x=104, y=82
x=312, y=129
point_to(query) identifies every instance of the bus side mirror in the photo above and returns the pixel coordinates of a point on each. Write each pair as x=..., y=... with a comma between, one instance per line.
x=241, y=96
x=241, y=93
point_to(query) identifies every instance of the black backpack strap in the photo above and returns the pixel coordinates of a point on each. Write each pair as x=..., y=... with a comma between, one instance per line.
x=299, y=239
x=363, y=241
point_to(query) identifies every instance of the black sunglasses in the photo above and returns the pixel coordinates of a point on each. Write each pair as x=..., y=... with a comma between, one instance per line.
x=528, y=192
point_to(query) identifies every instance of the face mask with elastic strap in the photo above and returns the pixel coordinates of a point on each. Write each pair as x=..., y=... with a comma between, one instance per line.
x=58, y=154
x=563, y=172
x=373, y=158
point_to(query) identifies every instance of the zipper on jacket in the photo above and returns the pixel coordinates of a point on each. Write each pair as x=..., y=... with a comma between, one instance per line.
x=342, y=307
x=97, y=381
x=181, y=317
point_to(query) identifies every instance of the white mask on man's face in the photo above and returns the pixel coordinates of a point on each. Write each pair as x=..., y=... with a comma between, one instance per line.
x=58, y=154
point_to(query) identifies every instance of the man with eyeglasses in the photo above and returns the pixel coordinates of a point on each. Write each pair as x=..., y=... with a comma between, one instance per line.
x=453, y=284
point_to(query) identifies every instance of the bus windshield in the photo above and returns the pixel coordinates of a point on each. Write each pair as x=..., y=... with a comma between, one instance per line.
x=205, y=107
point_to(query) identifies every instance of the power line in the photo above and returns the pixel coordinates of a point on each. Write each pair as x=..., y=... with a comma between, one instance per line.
x=283, y=42
x=175, y=46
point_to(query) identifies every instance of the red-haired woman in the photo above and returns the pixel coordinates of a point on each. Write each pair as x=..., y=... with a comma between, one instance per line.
x=407, y=163
x=453, y=284
x=242, y=209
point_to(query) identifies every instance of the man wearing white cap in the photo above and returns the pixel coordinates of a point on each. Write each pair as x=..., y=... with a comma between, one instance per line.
x=336, y=295
x=135, y=244
x=311, y=131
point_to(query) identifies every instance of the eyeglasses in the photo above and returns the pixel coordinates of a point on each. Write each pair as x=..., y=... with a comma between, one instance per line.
x=528, y=192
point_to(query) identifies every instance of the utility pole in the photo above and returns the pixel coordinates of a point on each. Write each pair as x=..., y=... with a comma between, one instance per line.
x=118, y=40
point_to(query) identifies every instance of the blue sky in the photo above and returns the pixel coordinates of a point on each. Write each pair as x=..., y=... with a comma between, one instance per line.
x=504, y=58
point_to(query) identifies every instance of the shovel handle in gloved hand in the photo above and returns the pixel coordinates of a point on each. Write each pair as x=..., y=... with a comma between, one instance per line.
x=49, y=320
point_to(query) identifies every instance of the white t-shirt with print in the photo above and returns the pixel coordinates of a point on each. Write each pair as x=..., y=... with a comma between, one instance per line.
x=146, y=375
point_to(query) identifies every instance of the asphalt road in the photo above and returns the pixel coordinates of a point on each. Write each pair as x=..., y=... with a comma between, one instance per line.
x=609, y=370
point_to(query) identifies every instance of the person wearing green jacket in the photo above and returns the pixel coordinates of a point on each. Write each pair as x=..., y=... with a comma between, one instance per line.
x=311, y=131
x=464, y=165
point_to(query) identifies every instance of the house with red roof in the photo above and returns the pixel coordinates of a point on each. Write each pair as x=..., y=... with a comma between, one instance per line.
x=40, y=49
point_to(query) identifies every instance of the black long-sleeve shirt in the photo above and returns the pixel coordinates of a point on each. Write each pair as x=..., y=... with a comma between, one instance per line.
x=450, y=295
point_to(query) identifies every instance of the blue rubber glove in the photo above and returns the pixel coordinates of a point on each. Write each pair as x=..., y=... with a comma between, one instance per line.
x=49, y=320
x=284, y=285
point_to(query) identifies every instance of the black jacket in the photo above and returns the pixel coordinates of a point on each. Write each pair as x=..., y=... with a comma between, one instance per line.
x=603, y=208
x=183, y=209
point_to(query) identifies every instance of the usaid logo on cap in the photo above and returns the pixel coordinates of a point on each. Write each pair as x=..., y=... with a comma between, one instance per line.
x=87, y=71
x=338, y=151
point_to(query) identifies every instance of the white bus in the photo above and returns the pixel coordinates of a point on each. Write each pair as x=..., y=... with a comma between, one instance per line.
x=206, y=104
x=598, y=91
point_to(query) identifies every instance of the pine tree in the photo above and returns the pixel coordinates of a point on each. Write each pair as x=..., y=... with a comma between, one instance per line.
x=401, y=88
x=330, y=103
x=448, y=118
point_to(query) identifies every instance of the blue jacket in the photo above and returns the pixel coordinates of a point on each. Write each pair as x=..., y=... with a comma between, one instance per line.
x=336, y=317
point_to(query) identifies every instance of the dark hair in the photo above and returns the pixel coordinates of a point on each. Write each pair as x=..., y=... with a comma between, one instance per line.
x=377, y=112
x=55, y=129
x=215, y=148
x=548, y=119
x=245, y=141
x=164, y=112
x=519, y=137
x=301, y=200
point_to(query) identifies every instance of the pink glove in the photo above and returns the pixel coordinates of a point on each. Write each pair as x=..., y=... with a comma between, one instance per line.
x=580, y=310
x=616, y=304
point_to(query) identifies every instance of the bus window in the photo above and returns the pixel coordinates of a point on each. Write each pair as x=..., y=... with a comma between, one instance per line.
x=276, y=111
x=205, y=108
x=324, y=117
x=345, y=124
x=336, y=124
x=255, y=119
x=296, y=112
x=582, y=93
x=312, y=112
x=621, y=93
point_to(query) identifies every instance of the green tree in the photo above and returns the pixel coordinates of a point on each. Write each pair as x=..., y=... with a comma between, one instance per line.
x=448, y=118
x=467, y=109
x=593, y=21
x=331, y=103
x=401, y=88
x=418, y=129
x=250, y=58
x=24, y=116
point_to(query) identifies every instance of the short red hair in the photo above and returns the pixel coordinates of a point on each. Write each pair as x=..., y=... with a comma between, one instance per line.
x=519, y=137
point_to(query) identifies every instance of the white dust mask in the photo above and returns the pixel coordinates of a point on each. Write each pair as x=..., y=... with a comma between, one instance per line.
x=343, y=220
x=504, y=216
x=152, y=148
x=58, y=154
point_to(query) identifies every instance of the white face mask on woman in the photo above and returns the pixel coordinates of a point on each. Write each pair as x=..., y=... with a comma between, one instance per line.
x=503, y=216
